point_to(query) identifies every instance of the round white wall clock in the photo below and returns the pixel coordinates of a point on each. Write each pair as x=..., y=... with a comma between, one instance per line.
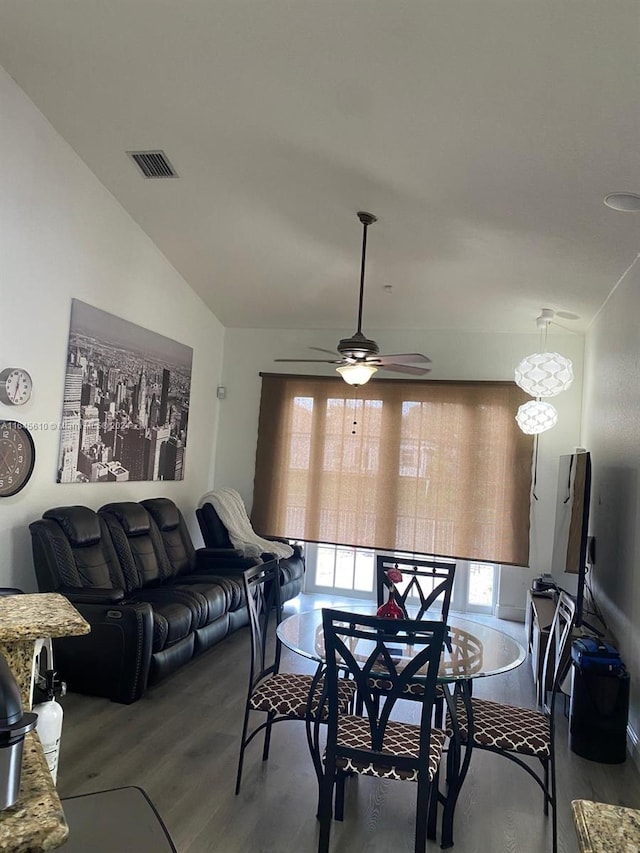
x=15, y=386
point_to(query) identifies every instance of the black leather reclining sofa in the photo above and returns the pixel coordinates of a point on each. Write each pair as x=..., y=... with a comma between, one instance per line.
x=153, y=601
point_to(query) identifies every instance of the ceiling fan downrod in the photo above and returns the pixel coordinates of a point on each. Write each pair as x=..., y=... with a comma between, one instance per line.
x=367, y=219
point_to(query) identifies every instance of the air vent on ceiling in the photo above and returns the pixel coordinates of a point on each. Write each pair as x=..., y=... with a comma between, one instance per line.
x=153, y=164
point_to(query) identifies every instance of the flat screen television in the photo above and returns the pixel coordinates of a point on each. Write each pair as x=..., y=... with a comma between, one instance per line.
x=570, y=538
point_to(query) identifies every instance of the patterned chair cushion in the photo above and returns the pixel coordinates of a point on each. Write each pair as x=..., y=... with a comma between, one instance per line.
x=505, y=727
x=401, y=739
x=287, y=694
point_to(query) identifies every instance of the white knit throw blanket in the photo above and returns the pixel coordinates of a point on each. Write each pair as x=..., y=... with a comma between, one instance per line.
x=233, y=514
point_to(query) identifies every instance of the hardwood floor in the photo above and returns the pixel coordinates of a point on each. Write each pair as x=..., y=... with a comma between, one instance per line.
x=180, y=743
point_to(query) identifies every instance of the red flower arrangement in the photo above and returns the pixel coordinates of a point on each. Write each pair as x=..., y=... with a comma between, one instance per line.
x=394, y=575
x=391, y=609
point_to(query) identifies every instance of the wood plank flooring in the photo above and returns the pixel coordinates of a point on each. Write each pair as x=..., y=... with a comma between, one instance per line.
x=180, y=743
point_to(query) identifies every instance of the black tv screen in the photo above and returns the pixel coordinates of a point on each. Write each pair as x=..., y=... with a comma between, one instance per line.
x=571, y=530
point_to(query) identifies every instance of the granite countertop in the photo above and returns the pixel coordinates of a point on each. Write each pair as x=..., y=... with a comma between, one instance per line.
x=36, y=822
x=42, y=614
x=26, y=618
x=605, y=828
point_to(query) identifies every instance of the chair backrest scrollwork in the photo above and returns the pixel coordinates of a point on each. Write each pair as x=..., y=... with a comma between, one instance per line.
x=426, y=584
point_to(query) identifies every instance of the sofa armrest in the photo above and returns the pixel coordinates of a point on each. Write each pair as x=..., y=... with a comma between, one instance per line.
x=209, y=562
x=97, y=595
x=222, y=553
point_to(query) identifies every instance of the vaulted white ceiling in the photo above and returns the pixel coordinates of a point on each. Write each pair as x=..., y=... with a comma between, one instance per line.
x=484, y=135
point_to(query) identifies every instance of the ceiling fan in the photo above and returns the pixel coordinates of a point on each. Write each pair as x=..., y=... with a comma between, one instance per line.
x=358, y=356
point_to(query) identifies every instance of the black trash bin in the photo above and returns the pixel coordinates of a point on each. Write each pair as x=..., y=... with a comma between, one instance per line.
x=599, y=707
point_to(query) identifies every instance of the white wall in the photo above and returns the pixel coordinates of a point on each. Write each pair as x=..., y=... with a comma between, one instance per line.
x=455, y=356
x=62, y=235
x=611, y=428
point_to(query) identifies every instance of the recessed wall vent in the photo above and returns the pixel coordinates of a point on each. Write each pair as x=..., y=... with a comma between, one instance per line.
x=153, y=164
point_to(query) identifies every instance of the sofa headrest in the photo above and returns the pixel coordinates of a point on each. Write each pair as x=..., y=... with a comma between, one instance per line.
x=214, y=533
x=132, y=517
x=163, y=511
x=80, y=524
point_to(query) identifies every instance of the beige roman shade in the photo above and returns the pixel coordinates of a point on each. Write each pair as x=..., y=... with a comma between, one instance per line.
x=426, y=467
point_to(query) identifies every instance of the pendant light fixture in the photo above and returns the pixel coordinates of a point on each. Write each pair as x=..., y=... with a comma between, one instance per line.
x=536, y=416
x=544, y=374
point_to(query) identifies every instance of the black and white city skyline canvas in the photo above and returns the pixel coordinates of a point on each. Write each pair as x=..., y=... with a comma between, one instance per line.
x=126, y=401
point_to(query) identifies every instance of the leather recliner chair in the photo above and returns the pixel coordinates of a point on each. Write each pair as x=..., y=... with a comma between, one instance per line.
x=184, y=573
x=216, y=537
x=191, y=570
x=73, y=555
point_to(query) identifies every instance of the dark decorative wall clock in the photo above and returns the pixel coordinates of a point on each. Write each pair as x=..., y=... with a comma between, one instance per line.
x=17, y=457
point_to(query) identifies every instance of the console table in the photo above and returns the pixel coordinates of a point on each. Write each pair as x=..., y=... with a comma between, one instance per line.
x=35, y=823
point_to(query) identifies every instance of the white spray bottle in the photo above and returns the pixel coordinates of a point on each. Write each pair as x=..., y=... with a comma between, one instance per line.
x=49, y=725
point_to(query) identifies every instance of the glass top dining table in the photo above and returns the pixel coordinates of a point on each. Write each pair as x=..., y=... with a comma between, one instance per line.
x=473, y=650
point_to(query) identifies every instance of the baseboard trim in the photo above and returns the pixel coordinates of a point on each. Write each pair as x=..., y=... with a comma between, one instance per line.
x=510, y=614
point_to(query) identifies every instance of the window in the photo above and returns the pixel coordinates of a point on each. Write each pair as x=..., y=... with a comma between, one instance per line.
x=475, y=589
x=340, y=569
x=424, y=467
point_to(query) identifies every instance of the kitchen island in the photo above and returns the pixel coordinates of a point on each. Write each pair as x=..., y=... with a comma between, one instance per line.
x=35, y=823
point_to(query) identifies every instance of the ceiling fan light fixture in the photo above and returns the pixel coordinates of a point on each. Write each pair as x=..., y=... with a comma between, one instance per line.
x=356, y=374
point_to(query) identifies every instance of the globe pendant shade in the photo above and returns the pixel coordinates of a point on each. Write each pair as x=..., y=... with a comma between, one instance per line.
x=544, y=374
x=536, y=416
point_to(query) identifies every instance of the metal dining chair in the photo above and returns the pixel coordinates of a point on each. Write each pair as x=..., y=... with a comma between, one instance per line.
x=521, y=734
x=279, y=695
x=375, y=744
x=427, y=585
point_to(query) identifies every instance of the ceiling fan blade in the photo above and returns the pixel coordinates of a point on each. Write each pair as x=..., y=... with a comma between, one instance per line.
x=322, y=349
x=310, y=360
x=406, y=368
x=404, y=358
